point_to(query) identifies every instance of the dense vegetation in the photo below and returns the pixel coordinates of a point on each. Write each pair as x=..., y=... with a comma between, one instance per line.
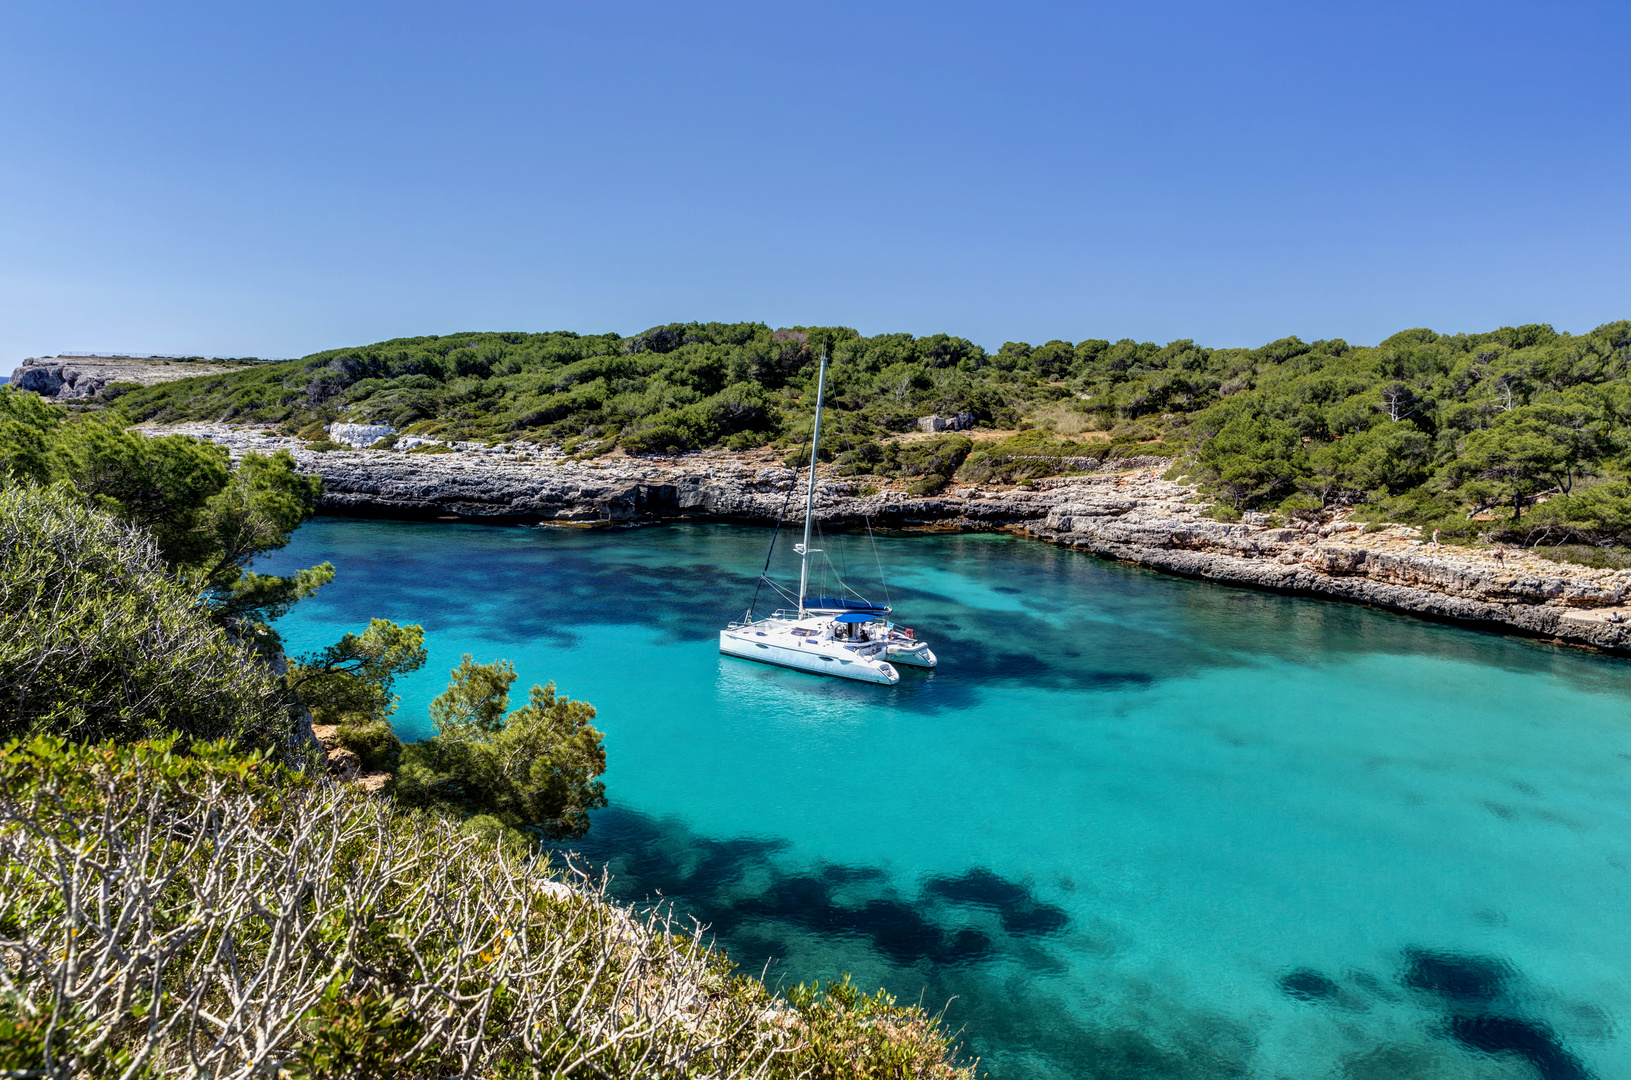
x=127, y=610
x=215, y=915
x=188, y=895
x=1519, y=432
x=98, y=639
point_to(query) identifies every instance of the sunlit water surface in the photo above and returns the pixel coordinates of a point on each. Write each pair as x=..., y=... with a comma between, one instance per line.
x=1133, y=826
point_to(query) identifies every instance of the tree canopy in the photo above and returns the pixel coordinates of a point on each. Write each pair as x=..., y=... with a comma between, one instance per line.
x=1423, y=426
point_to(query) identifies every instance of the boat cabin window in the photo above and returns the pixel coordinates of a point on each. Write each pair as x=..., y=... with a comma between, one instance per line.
x=800, y=631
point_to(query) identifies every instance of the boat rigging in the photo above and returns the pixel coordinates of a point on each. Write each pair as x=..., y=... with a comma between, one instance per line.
x=848, y=639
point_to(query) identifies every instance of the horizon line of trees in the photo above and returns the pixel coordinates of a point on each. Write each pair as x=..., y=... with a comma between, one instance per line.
x=1434, y=429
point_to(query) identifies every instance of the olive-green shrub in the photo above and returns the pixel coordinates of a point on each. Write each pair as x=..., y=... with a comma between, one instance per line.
x=98, y=639
x=216, y=915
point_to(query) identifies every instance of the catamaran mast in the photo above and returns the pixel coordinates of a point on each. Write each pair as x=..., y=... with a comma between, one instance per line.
x=809, y=498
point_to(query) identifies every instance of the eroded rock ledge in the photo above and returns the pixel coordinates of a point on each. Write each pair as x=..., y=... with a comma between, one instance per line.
x=1127, y=513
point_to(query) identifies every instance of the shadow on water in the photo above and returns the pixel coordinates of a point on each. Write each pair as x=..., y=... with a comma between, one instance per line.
x=1475, y=997
x=735, y=884
x=761, y=911
x=981, y=944
x=1001, y=612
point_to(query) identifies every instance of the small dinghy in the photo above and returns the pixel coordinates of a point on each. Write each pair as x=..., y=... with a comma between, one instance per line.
x=848, y=639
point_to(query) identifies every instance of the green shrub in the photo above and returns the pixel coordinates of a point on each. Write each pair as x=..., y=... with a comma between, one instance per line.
x=364, y=942
x=939, y=456
x=324, y=446
x=98, y=639
x=1302, y=507
x=374, y=741
x=658, y=439
x=1601, y=558
x=536, y=768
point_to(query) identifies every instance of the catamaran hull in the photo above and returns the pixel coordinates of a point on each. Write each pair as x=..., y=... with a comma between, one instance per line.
x=807, y=659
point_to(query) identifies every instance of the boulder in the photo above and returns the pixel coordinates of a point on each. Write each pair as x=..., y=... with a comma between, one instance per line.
x=359, y=435
x=963, y=421
x=344, y=764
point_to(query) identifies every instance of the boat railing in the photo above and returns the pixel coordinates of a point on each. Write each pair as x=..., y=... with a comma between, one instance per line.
x=780, y=615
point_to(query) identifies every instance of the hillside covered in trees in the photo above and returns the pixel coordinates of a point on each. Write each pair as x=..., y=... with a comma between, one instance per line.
x=1517, y=433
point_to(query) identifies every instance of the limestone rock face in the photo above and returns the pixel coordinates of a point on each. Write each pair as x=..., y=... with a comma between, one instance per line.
x=1123, y=511
x=67, y=378
x=59, y=381
x=359, y=435
x=960, y=422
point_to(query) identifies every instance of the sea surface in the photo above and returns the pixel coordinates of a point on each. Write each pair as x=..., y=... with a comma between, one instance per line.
x=1133, y=826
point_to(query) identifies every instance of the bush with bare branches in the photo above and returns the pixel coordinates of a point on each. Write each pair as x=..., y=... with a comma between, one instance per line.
x=220, y=916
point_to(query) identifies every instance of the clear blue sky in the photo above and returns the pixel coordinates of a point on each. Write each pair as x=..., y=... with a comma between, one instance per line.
x=275, y=178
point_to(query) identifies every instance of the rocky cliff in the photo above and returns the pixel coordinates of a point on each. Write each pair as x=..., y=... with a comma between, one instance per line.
x=1126, y=512
x=68, y=378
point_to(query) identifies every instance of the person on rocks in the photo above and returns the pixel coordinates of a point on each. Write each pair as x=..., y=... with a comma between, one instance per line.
x=1435, y=538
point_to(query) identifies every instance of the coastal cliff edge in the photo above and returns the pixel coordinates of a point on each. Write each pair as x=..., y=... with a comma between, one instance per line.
x=1126, y=512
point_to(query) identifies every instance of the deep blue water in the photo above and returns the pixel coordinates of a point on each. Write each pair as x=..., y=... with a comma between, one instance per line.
x=1133, y=826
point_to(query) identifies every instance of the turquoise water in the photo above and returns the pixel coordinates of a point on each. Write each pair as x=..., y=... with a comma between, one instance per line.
x=1133, y=826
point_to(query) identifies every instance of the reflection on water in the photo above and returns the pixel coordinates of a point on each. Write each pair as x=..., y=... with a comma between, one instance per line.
x=1133, y=827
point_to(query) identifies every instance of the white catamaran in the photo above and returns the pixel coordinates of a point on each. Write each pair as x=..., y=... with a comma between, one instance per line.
x=851, y=639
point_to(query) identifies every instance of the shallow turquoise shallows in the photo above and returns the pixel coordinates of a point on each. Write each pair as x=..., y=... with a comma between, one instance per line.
x=1134, y=826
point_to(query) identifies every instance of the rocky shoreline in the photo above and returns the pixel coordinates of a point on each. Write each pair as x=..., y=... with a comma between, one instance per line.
x=1125, y=512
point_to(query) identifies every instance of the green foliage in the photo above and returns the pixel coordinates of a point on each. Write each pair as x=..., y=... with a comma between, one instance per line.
x=350, y=685
x=1598, y=516
x=98, y=639
x=536, y=768
x=1031, y=455
x=845, y=1032
x=375, y=742
x=475, y=701
x=352, y=680
x=27, y=427
x=676, y=387
x=1251, y=458
x=361, y=1036
x=208, y=520
x=379, y=943
x=159, y=484
x=1503, y=418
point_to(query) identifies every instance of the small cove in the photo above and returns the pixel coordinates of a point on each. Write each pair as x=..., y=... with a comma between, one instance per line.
x=1136, y=826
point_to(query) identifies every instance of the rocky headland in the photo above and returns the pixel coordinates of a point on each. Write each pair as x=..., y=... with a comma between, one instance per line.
x=70, y=378
x=1126, y=512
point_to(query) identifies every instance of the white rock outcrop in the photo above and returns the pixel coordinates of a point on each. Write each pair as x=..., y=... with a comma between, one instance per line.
x=359, y=435
x=961, y=422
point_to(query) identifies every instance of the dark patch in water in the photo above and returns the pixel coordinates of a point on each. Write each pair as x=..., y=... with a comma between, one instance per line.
x=843, y=875
x=1454, y=977
x=891, y=926
x=1306, y=984
x=734, y=884
x=1533, y=1040
x=1021, y=913
x=761, y=913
